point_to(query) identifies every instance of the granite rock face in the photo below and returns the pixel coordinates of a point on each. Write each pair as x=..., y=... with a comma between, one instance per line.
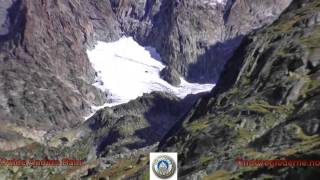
x=170, y=75
x=45, y=73
x=4, y=16
x=265, y=105
x=196, y=38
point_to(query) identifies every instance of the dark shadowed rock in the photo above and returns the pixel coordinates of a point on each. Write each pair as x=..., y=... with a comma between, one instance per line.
x=170, y=75
x=140, y=123
x=188, y=33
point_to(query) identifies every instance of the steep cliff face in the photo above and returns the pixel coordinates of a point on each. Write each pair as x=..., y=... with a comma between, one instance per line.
x=45, y=73
x=197, y=37
x=267, y=109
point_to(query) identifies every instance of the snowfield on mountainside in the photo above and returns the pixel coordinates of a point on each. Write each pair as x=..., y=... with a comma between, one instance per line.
x=126, y=70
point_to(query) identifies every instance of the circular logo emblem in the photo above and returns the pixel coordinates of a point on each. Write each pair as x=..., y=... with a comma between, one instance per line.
x=164, y=167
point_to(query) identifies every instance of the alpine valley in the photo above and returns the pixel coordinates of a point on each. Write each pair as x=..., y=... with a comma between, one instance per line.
x=109, y=81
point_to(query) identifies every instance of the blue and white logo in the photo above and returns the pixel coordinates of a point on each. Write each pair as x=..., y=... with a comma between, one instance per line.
x=163, y=165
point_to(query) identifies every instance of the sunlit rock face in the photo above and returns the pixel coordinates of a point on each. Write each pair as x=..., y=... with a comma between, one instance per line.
x=45, y=74
x=265, y=105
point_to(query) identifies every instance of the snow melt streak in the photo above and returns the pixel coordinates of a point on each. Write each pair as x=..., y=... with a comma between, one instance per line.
x=126, y=70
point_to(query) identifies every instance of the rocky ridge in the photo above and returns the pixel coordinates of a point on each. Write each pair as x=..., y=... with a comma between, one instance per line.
x=121, y=134
x=267, y=109
x=45, y=73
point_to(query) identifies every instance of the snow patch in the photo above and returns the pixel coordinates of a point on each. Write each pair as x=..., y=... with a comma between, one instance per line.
x=126, y=70
x=215, y=2
x=94, y=109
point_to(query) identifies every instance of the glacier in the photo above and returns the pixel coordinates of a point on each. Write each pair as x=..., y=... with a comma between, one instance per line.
x=127, y=70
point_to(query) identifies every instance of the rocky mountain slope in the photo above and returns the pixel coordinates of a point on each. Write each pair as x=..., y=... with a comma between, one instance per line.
x=267, y=109
x=45, y=73
x=137, y=124
x=264, y=105
x=128, y=131
x=195, y=38
x=46, y=77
